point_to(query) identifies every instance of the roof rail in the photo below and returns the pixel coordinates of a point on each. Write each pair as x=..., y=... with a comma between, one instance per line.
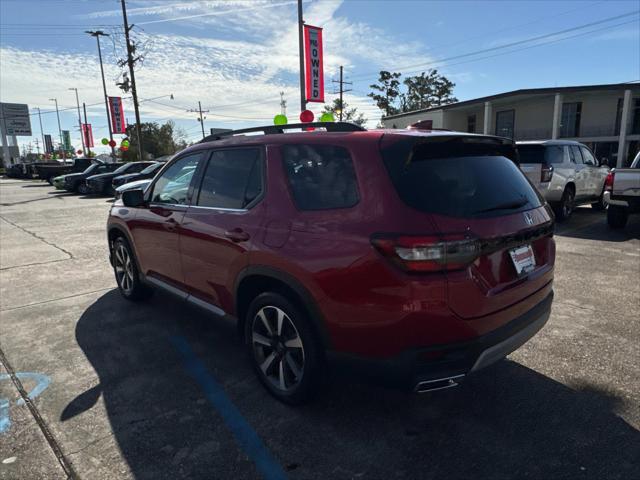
x=275, y=129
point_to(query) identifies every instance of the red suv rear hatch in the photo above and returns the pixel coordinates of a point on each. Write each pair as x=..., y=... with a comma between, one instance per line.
x=494, y=239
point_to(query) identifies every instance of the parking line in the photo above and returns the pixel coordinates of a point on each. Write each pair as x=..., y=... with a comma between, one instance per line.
x=244, y=434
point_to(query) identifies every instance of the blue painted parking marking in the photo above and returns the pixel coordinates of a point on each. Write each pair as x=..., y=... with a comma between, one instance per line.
x=244, y=434
x=42, y=382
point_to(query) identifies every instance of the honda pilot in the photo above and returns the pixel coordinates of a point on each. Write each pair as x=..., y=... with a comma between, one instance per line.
x=426, y=252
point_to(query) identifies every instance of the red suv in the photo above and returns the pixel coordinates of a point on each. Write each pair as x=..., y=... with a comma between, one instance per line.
x=427, y=252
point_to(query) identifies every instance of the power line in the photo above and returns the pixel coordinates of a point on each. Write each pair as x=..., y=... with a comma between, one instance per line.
x=506, y=45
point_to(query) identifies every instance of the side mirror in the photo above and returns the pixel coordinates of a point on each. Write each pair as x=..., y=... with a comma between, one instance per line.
x=133, y=198
x=604, y=162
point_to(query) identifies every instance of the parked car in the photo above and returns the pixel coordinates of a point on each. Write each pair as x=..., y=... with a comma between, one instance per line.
x=148, y=172
x=565, y=172
x=426, y=252
x=101, y=183
x=622, y=193
x=139, y=184
x=51, y=170
x=76, y=182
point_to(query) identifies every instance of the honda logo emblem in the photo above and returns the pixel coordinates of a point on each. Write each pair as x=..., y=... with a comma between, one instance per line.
x=528, y=218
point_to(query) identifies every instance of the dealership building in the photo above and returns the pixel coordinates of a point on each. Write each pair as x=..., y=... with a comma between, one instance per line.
x=604, y=117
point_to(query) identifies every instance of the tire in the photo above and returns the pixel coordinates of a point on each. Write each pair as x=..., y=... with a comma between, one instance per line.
x=288, y=362
x=565, y=207
x=82, y=189
x=617, y=217
x=126, y=272
x=50, y=180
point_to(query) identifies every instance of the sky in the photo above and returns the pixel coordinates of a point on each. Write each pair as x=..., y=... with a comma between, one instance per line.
x=235, y=57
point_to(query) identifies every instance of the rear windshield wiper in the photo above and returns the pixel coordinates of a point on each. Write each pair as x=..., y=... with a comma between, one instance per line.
x=512, y=205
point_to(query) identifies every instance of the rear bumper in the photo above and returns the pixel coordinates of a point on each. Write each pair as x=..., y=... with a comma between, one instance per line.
x=443, y=366
x=632, y=203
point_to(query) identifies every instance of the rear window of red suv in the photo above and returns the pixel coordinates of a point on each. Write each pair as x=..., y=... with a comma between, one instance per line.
x=459, y=177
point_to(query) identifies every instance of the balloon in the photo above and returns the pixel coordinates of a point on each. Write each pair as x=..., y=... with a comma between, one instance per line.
x=112, y=143
x=79, y=152
x=327, y=117
x=306, y=116
x=105, y=141
x=124, y=148
x=280, y=119
x=125, y=143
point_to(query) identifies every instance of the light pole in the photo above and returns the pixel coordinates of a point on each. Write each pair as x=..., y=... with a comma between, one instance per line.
x=59, y=128
x=303, y=102
x=84, y=151
x=98, y=34
x=44, y=148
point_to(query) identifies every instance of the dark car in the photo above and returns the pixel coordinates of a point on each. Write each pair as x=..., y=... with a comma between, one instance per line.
x=427, y=254
x=49, y=170
x=148, y=172
x=75, y=182
x=101, y=183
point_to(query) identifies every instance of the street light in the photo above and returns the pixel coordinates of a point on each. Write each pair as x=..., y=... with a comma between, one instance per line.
x=84, y=151
x=59, y=127
x=98, y=34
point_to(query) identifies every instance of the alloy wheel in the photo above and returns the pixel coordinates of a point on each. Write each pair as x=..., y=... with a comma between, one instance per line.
x=124, y=268
x=277, y=348
x=567, y=205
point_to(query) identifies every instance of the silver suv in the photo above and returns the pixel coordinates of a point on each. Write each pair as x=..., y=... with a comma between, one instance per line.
x=565, y=172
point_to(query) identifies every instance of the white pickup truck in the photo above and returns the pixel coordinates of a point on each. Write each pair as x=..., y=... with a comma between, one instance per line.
x=622, y=193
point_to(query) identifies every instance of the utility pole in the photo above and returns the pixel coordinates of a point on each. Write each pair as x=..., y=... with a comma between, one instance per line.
x=37, y=145
x=201, y=119
x=303, y=102
x=134, y=91
x=41, y=130
x=98, y=34
x=84, y=150
x=64, y=155
x=342, y=91
x=84, y=108
x=283, y=104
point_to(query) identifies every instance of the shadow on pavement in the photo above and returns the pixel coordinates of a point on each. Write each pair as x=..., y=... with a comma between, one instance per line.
x=506, y=422
x=590, y=224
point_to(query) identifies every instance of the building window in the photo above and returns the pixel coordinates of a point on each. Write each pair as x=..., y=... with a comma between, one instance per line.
x=635, y=117
x=471, y=123
x=570, y=119
x=505, y=122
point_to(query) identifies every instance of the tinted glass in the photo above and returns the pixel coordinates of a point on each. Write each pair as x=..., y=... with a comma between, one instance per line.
x=173, y=185
x=541, y=154
x=467, y=181
x=320, y=176
x=91, y=168
x=587, y=156
x=126, y=168
x=232, y=179
x=154, y=167
x=575, y=154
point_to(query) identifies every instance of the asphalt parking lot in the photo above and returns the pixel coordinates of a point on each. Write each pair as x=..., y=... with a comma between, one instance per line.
x=159, y=390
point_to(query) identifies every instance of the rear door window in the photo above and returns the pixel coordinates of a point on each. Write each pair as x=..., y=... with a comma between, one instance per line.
x=460, y=180
x=233, y=179
x=321, y=177
x=575, y=155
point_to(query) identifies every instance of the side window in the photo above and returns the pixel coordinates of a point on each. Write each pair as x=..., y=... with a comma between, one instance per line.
x=320, y=176
x=576, y=157
x=233, y=179
x=172, y=186
x=102, y=169
x=588, y=157
x=555, y=154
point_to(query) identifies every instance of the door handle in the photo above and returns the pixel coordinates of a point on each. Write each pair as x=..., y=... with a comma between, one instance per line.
x=237, y=235
x=170, y=224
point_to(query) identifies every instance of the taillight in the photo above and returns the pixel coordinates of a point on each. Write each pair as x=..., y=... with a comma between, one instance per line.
x=608, y=183
x=546, y=173
x=427, y=253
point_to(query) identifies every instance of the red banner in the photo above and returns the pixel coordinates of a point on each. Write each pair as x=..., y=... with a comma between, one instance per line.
x=117, y=115
x=87, y=134
x=314, y=71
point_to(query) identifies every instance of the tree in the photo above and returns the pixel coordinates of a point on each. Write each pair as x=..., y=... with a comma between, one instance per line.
x=159, y=140
x=429, y=89
x=389, y=88
x=348, y=114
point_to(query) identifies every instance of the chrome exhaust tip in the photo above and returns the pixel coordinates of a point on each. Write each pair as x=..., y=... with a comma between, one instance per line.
x=437, y=384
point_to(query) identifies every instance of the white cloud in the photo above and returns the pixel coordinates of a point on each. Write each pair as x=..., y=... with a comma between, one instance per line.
x=244, y=58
